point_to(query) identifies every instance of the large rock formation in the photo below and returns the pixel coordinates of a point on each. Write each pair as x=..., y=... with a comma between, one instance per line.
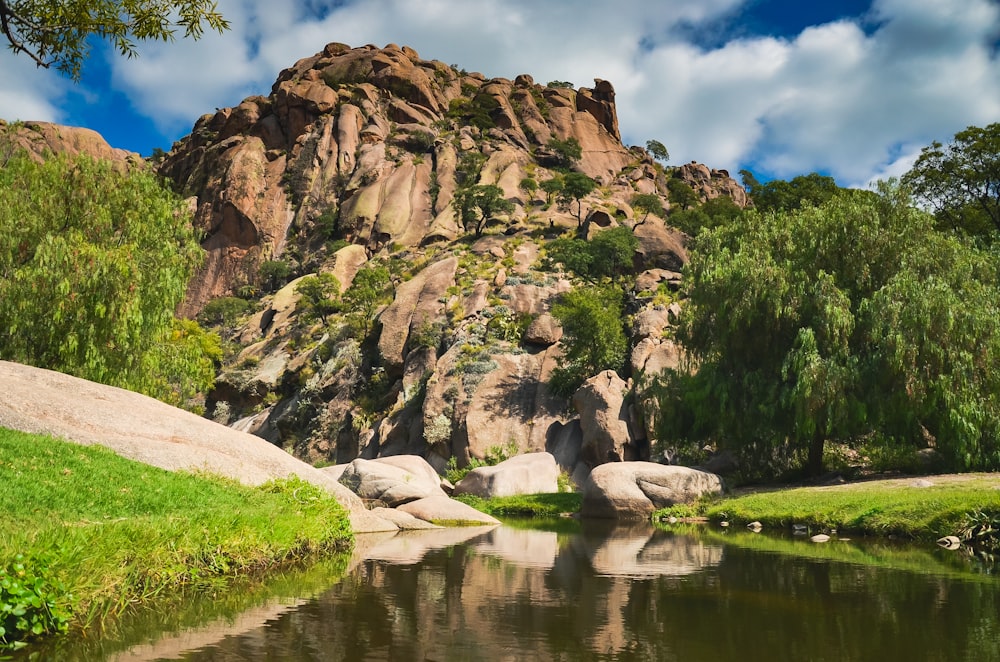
x=371, y=140
x=351, y=165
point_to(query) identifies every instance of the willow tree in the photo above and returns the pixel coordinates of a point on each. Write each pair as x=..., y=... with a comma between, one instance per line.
x=94, y=260
x=840, y=321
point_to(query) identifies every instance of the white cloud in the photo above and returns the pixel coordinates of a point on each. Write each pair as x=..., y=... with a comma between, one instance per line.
x=849, y=99
x=27, y=92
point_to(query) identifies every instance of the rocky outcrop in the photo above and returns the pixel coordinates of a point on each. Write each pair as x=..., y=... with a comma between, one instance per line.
x=633, y=490
x=43, y=138
x=604, y=420
x=373, y=143
x=531, y=473
x=353, y=161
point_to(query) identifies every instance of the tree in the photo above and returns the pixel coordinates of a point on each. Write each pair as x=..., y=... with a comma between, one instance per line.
x=960, y=181
x=648, y=203
x=576, y=186
x=551, y=187
x=591, y=318
x=780, y=195
x=842, y=321
x=658, y=150
x=608, y=255
x=477, y=205
x=58, y=33
x=565, y=152
x=94, y=259
x=320, y=294
x=367, y=291
x=710, y=214
x=681, y=194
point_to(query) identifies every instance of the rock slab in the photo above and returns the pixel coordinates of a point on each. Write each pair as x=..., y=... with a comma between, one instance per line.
x=531, y=473
x=633, y=490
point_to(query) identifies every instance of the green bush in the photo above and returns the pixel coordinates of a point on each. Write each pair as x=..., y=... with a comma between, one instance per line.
x=32, y=604
x=224, y=311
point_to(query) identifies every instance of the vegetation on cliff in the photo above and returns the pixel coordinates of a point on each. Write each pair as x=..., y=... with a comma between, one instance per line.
x=86, y=535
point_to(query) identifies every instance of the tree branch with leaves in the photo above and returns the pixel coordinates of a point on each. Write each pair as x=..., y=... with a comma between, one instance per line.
x=58, y=33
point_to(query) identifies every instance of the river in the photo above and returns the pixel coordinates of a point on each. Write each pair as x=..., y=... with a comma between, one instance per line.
x=592, y=591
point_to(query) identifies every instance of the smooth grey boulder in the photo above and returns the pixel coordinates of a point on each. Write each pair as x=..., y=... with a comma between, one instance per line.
x=393, y=483
x=633, y=490
x=446, y=511
x=531, y=473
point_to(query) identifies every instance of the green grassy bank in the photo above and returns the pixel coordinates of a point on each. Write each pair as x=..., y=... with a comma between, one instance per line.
x=85, y=534
x=923, y=509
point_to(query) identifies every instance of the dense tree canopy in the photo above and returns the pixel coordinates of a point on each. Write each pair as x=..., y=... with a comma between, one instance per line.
x=93, y=262
x=594, y=336
x=58, y=32
x=840, y=321
x=608, y=255
x=961, y=180
x=781, y=195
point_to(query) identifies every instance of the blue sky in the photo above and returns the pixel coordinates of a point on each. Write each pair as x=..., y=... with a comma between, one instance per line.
x=850, y=88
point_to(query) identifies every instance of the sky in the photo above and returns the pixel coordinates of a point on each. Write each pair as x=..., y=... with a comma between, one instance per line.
x=848, y=88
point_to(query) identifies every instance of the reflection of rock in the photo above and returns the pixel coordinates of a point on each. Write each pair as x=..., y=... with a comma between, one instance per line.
x=641, y=550
x=524, y=547
x=635, y=489
x=531, y=473
x=410, y=547
x=174, y=646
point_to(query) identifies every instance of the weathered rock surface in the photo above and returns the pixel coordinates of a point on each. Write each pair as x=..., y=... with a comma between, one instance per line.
x=442, y=509
x=42, y=138
x=530, y=473
x=633, y=490
x=151, y=432
x=604, y=420
x=392, y=480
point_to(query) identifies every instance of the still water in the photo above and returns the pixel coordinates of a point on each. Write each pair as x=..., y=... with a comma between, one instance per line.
x=592, y=592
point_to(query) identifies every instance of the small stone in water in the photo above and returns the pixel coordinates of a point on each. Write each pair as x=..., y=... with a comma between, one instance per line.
x=820, y=537
x=755, y=526
x=950, y=542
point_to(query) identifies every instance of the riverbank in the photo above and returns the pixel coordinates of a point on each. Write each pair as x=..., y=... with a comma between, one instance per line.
x=86, y=534
x=919, y=508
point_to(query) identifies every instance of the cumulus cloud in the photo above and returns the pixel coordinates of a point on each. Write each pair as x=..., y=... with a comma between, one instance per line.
x=27, y=92
x=855, y=98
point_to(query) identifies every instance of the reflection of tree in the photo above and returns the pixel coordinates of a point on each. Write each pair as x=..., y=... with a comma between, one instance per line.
x=459, y=604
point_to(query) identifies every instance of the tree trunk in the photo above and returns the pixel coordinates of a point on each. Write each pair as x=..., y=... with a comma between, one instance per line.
x=815, y=467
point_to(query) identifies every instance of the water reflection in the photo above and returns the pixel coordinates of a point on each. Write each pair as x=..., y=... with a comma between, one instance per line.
x=621, y=594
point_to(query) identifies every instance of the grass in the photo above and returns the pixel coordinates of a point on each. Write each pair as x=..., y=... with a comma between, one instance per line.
x=895, y=507
x=107, y=534
x=526, y=505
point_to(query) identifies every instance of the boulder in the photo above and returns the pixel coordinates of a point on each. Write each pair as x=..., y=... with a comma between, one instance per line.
x=391, y=484
x=633, y=490
x=604, y=420
x=531, y=473
x=543, y=330
x=443, y=510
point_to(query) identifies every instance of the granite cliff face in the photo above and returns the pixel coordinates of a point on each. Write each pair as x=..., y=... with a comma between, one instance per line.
x=353, y=161
x=368, y=144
